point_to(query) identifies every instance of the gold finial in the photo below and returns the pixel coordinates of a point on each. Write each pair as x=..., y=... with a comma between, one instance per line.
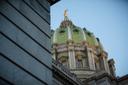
x=65, y=12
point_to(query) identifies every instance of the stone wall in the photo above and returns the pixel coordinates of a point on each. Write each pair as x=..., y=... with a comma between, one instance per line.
x=25, y=57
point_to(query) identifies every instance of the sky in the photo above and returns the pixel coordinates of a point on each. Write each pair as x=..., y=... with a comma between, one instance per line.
x=107, y=19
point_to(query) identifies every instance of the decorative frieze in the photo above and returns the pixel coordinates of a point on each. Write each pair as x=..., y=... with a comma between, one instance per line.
x=79, y=48
x=62, y=49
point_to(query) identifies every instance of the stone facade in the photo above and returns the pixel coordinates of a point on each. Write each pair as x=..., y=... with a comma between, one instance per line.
x=25, y=47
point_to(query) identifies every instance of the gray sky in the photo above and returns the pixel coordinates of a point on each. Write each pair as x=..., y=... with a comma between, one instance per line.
x=107, y=19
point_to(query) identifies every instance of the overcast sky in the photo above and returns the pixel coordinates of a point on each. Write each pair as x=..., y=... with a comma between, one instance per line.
x=107, y=19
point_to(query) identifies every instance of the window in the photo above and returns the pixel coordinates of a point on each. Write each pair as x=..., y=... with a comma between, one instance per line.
x=76, y=30
x=79, y=63
x=89, y=34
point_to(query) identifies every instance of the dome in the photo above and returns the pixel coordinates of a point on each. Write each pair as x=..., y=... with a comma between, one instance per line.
x=67, y=31
x=78, y=49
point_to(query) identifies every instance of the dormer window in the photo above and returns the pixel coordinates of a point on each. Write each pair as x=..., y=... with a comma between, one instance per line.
x=89, y=34
x=76, y=30
x=62, y=31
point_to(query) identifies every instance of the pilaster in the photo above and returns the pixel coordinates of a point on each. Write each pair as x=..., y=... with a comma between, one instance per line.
x=71, y=54
x=69, y=33
x=91, y=59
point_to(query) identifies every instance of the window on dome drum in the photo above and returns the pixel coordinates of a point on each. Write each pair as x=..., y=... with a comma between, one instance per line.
x=89, y=33
x=79, y=63
x=75, y=30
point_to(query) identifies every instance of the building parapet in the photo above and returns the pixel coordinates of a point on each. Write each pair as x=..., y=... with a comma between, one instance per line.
x=66, y=71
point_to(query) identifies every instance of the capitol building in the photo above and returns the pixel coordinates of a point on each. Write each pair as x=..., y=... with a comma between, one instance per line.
x=31, y=53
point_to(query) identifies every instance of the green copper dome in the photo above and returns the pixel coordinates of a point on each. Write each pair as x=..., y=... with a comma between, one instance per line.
x=67, y=31
x=78, y=49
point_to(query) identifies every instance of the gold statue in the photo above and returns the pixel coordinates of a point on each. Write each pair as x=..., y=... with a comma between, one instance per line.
x=65, y=12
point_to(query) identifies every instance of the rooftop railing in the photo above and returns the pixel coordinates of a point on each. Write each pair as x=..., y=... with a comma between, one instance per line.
x=66, y=71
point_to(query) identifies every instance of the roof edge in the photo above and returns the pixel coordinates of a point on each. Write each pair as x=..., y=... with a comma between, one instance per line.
x=52, y=1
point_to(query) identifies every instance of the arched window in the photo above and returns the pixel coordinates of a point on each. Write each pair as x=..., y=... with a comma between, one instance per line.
x=79, y=63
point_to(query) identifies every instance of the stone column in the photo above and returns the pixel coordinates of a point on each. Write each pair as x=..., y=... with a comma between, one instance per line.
x=72, y=62
x=97, y=65
x=106, y=64
x=91, y=60
x=69, y=34
x=71, y=53
x=54, y=52
x=112, y=67
x=84, y=34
